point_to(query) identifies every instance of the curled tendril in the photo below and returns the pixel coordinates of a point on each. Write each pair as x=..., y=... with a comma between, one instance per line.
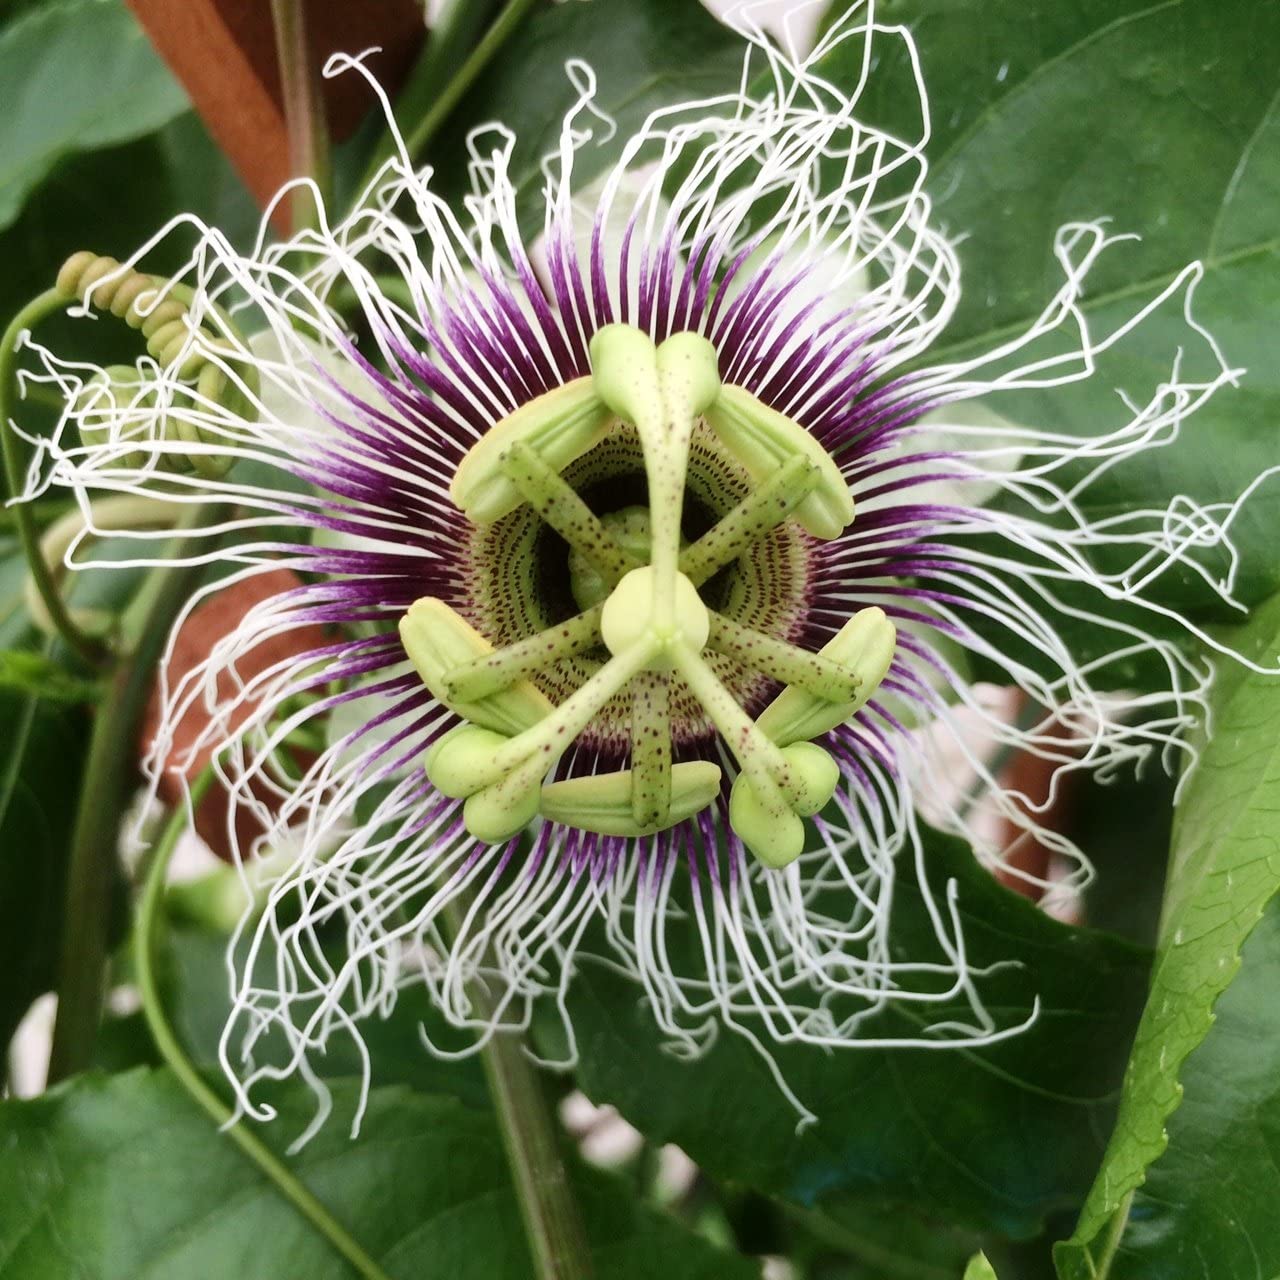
x=120, y=404
x=164, y=320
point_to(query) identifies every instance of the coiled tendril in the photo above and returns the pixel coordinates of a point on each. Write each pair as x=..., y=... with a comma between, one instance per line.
x=119, y=407
x=157, y=310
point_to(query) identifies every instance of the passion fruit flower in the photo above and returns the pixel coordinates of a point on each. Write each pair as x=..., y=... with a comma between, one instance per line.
x=654, y=557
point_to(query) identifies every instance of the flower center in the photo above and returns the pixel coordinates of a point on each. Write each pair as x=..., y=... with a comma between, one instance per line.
x=521, y=578
x=653, y=615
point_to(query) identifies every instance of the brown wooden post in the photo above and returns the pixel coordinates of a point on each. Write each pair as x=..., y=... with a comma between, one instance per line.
x=223, y=52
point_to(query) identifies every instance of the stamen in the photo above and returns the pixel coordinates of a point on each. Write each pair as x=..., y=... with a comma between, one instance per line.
x=864, y=644
x=542, y=744
x=819, y=675
x=763, y=439
x=559, y=426
x=438, y=640
x=604, y=802
x=491, y=672
x=652, y=621
x=651, y=749
x=759, y=757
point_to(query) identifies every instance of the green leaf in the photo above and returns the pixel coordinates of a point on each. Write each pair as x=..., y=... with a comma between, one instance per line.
x=1165, y=117
x=41, y=753
x=1214, y=1192
x=77, y=76
x=1224, y=868
x=201, y=181
x=927, y=1127
x=979, y=1268
x=645, y=53
x=122, y=1177
x=28, y=672
x=1124, y=825
x=888, y=1241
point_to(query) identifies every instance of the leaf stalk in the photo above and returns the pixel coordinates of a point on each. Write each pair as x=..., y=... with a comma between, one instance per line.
x=553, y=1225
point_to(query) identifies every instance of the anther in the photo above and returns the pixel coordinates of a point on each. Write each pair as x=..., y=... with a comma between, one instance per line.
x=763, y=439
x=865, y=645
x=604, y=802
x=438, y=641
x=559, y=427
x=520, y=762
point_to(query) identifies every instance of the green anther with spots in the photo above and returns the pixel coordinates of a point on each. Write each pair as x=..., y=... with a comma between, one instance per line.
x=637, y=583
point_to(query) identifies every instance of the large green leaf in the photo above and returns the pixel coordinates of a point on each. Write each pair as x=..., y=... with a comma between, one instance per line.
x=78, y=76
x=124, y=1178
x=198, y=999
x=1208, y=1207
x=991, y=1139
x=1164, y=117
x=645, y=53
x=1225, y=866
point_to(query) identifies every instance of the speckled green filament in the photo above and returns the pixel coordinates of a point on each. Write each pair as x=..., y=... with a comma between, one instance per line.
x=787, y=664
x=497, y=670
x=754, y=518
x=651, y=749
x=560, y=507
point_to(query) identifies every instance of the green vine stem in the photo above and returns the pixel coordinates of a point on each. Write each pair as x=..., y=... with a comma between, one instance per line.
x=416, y=141
x=146, y=934
x=103, y=797
x=304, y=113
x=493, y=40
x=42, y=577
x=553, y=1225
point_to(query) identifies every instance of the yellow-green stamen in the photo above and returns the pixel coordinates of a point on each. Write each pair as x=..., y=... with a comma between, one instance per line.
x=649, y=617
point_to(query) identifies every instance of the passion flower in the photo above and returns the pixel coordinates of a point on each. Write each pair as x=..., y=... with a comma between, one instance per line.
x=656, y=560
